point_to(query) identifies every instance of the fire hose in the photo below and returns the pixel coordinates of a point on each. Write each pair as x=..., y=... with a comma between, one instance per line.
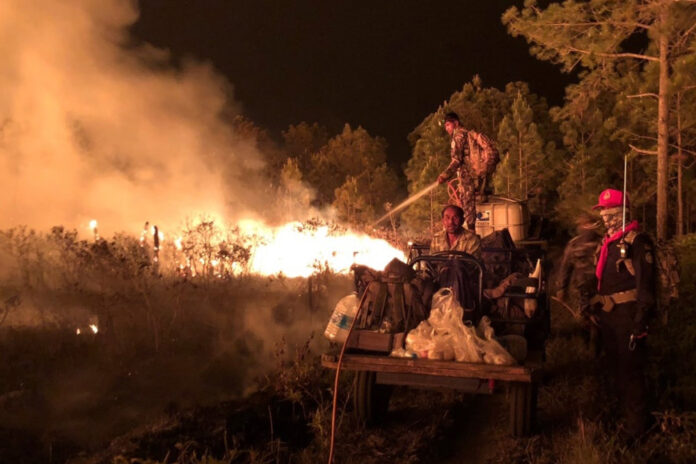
x=575, y=314
x=338, y=372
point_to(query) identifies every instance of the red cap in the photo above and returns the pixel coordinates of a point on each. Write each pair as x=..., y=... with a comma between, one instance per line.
x=610, y=198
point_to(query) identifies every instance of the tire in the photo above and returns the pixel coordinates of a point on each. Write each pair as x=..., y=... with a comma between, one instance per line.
x=370, y=400
x=521, y=403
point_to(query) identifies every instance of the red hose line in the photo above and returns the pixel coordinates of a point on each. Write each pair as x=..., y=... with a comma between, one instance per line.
x=338, y=371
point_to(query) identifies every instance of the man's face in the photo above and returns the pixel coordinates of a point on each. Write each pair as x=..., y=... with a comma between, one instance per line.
x=451, y=221
x=450, y=126
x=612, y=217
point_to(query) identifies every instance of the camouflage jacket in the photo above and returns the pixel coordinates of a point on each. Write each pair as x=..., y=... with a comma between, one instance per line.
x=578, y=261
x=459, y=154
x=467, y=242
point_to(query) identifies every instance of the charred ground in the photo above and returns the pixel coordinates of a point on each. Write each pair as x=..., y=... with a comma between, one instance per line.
x=210, y=369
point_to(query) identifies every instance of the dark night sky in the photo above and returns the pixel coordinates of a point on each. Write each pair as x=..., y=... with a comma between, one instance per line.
x=382, y=64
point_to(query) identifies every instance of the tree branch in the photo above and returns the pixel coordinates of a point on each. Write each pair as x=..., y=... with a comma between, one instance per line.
x=637, y=56
x=641, y=95
x=642, y=151
x=599, y=23
x=685, y=35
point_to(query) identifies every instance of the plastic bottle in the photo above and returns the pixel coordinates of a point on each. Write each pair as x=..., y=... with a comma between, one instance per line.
x=342, y=318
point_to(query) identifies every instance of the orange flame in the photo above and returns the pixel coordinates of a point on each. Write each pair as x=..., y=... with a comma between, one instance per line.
x=298, y=251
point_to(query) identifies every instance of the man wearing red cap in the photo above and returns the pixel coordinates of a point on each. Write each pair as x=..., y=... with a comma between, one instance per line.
x=625, y=298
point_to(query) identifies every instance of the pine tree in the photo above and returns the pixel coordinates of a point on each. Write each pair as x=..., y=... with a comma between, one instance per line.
x=350, y=153
x=522, y=148
x=594, y=34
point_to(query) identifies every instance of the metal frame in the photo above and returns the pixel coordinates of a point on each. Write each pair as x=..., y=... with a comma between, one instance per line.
x=447, y=256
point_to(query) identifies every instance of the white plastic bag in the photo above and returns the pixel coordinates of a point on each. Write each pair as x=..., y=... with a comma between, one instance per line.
x=444, y=336
x=467, y=345
x=494, y=353
x=445, y=312
x=420, y=339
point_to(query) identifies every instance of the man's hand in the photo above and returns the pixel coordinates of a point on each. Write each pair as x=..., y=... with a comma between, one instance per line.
x=640, y=330
x=442, y=178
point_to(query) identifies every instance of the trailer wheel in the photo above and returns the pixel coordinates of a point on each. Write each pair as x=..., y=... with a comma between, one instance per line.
x=370, y=400
x=521, y=403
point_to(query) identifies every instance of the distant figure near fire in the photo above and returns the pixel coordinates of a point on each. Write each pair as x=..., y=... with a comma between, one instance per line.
x=473, y=160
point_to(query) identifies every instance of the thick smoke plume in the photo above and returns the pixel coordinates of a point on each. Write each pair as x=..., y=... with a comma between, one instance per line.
x=93, y=126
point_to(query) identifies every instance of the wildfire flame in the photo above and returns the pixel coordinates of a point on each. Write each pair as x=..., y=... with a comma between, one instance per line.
x=297, y=251
x=294, y=249
x=93, y=228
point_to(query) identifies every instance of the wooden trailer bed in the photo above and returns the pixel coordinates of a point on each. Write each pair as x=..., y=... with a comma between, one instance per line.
x=375, y=371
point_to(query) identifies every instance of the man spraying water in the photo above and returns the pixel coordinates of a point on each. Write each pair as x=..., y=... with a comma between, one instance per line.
x=473, y=159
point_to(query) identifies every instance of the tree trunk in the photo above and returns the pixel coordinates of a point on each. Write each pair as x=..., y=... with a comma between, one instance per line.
x=432, y=222
x=680, y=185
x=662, y=129
x=523, y=194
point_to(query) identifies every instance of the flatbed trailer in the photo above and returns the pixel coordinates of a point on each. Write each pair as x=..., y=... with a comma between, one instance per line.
x=374, y=372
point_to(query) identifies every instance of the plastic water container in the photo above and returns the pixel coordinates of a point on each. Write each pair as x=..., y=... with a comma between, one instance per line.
x=502, y=213
x=342, y=318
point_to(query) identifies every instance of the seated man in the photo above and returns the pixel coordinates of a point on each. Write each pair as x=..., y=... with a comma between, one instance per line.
x=456, y=274
x=454, y=237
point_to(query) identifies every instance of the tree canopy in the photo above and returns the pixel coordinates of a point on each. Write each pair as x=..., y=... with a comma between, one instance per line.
x=600, y=36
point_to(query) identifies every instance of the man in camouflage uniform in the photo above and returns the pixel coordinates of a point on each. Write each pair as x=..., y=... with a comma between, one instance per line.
x=461, y=166
x=625, y=299
x=577, y=262
x=454, y=237
x=577, y=267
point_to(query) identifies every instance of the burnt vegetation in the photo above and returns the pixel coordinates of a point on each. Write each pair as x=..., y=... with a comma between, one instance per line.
x=215, y=367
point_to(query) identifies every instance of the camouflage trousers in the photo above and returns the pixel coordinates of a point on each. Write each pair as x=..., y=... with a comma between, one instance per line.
x=466, y=196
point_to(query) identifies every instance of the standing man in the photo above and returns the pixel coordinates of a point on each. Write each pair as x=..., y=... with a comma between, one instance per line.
x=577, y=268
x=461, y=166
x=625, y=298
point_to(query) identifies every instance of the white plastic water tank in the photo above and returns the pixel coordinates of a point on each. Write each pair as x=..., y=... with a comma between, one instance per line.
x=500, y=213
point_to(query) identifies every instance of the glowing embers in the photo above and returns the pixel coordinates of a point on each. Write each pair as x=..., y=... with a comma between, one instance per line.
x=92, y=328
x=93, y=227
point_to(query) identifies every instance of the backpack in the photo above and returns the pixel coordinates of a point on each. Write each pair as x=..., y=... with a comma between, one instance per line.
x=483, y=154
x=393, y=302
x=667, y=270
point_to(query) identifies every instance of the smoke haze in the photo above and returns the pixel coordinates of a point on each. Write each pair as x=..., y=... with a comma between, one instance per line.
x=94, y=127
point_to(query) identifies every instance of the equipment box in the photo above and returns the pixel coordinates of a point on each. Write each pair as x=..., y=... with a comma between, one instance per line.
x=369, y=340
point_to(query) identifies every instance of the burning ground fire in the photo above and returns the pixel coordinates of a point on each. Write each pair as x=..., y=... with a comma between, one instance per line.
x=295, y=249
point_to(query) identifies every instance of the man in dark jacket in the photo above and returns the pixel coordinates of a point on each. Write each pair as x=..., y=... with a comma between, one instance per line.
x=577, y=268
x=625, y=299
x=577, y=263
